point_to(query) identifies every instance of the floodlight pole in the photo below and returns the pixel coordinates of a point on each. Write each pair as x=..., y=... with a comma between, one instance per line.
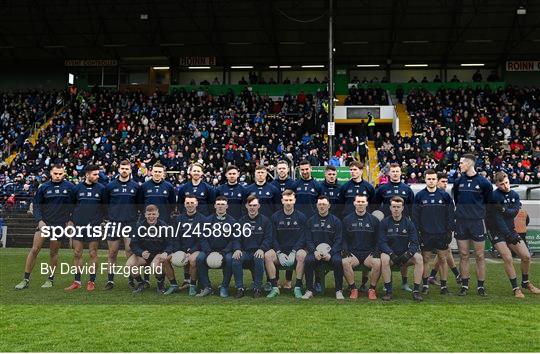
x=330, y=77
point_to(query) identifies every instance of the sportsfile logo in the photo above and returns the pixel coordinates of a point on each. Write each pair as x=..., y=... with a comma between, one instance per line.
x=113, y=230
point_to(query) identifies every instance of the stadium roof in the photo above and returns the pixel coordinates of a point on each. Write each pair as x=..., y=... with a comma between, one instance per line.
x=275, y=32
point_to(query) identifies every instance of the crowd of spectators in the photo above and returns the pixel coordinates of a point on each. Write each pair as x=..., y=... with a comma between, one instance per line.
x=176, y=129
x=500, y=127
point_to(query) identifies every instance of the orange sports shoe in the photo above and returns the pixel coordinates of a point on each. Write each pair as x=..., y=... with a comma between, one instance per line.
x=354, y=294
x=533, y=289
x=372, y=294
x=90, y=286
x=519, y=294
x=74, y=286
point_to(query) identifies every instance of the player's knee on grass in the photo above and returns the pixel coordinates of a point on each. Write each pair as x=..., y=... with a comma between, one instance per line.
x=93, y=252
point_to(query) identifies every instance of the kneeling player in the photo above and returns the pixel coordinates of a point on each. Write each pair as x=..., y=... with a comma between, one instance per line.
x=398, y=242
x=249, y=251
x=504, y=206
x=433, y=214
x=289, y=227
x=223, y=245
x=323, y=228
x=360, y=246
x=151, y=251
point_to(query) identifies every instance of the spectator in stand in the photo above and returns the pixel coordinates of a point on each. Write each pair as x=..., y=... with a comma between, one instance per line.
x=477, y=76
x=455, y=79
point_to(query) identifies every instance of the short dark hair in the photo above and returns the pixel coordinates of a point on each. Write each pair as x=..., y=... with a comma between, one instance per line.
x=260, y=167
x=221, y=197
x=394, y=165
x=442, y=175
x=357, y=164
x=231, y=167
x=280, y=162
x=397, y=199
x=57, y=165
x=322, y=196
x=251, y=198
x=330, y=168
x=125, y=162
x=91, y=168
x=430, y=172
x=362, y=196
x=304, y=162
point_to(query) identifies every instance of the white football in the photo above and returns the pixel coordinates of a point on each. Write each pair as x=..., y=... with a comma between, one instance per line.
x=324, y=248
x=214, y=260
x=283, y=259
x=378, y=214
x=179, y=259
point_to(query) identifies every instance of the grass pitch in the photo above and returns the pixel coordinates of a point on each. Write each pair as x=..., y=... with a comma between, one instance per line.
x=38, y=319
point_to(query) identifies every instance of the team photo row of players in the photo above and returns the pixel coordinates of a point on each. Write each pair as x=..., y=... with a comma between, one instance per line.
x=296, y=225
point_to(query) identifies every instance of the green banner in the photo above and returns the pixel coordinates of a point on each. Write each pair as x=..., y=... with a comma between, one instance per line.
x=432, y=86
x=270, y=90
x=533, y=239
x=343, y=174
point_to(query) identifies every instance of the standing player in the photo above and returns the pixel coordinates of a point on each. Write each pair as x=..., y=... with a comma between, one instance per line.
x=383, y=196
x=159, y=192
x=323, y=228
x=307, y=190
x=471, y=194
x=283, y=181
x=290, y=227
x=53, y=205
x=269, y=196
x=442, y=183
x=398, y=242
x=188, y=242
x=233, y=191
x=122, y=210
x=89, y=211
x=151, y=251
x=249, y=251
x=202, y=190
x=331, y=188
x=433, y=215
x=360, y=246
x=355, y=186
x=504, y=206
x=223, y=245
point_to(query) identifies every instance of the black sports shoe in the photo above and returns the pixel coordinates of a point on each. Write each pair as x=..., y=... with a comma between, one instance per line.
x=160, y=287
x=239, y=293
x=146, y=284
x=482, y=291
x=387, y=297
x=257, y=293
x=416, y=296
x=458, y=279
x=109, y=285
x=463, y=291
x=444, y=291
x=425, y=290
x=139, y=288
x=132, y=285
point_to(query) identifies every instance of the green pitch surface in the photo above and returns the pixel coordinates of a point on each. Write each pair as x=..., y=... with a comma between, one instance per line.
x=38, y=319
